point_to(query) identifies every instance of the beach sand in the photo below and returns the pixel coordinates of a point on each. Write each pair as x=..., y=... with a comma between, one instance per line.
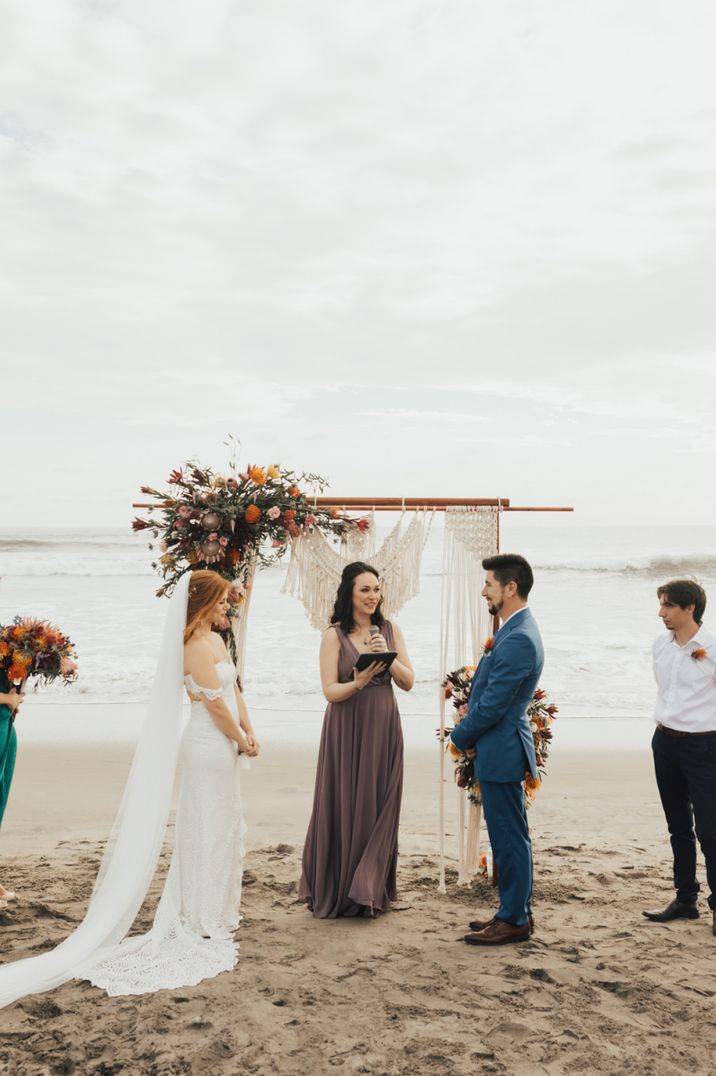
x=597, y=989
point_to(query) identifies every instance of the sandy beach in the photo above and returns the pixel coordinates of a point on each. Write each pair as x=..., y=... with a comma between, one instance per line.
x=597, y=990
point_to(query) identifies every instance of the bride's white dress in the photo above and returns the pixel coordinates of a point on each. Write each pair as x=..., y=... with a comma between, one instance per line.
x=191, y=938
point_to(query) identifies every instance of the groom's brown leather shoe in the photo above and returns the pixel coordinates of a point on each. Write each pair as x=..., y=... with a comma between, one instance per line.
x=480, y=924
x=499, y=933
x=676, y=910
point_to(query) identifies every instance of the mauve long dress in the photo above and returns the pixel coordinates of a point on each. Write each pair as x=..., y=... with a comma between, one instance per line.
x=351, y=851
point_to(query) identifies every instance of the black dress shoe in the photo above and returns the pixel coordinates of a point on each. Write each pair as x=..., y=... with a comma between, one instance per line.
x=676, y=910
x=480, y=924
x=713, y=928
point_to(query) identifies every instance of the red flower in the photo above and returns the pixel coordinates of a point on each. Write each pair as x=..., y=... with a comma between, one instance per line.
x=539, y=694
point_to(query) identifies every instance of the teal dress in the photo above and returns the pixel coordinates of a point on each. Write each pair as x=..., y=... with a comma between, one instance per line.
x=8, y=749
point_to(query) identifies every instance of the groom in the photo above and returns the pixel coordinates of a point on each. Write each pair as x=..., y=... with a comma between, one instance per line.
x=496, y=727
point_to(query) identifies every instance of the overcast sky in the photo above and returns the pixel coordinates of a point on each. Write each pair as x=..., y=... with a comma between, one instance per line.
x=421, y=246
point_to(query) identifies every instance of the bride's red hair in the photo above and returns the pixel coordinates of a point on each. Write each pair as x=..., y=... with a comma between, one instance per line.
x=206, y=588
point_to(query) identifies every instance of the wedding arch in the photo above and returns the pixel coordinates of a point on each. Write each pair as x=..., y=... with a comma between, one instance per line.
x=212, y=520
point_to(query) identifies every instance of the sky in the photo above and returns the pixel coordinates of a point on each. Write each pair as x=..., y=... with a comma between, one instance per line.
x=422, y=247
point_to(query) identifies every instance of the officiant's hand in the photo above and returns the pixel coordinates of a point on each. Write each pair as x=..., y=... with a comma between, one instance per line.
x=377, y=644
x=360, y=679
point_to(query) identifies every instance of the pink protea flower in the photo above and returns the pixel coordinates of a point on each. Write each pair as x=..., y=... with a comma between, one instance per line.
x=274, y=512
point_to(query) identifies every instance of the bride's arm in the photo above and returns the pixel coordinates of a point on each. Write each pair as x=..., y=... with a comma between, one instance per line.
x=245, y=720
x=200, y=667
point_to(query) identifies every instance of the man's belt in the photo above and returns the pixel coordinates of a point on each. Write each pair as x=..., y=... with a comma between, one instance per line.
x=678, y=732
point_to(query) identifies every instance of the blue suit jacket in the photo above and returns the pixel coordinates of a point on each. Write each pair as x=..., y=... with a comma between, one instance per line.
x=496, y=722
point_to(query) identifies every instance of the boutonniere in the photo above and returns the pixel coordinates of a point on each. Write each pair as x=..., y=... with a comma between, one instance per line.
x=488, y=645
x=698, y=654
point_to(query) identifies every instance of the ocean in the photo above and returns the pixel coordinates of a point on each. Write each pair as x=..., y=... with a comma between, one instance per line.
x=594, y=599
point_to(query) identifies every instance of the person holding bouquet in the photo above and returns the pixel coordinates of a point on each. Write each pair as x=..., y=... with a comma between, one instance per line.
x=28, y=648
x=10, y=702
x=351, y=849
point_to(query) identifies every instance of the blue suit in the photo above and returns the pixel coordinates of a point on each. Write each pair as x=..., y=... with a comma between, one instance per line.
x=496, y=726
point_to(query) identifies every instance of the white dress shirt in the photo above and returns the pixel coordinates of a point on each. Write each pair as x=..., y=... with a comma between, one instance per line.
x=686, y=697
x=516, y=613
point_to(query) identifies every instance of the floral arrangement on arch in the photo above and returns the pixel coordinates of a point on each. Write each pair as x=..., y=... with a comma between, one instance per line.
x=224, y=522
x=32, y=648
x=540, y=714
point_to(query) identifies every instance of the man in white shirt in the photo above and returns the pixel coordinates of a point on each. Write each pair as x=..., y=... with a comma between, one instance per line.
x=684, y=743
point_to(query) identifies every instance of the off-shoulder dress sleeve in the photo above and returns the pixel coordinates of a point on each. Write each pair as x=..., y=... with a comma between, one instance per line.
x=211, y=693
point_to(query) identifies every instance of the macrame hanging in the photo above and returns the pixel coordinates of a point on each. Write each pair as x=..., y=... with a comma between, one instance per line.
x=315, y=569
x=470, y=536
x=239, y=623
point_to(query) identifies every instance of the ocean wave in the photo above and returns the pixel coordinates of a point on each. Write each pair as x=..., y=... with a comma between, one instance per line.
x=695, y=564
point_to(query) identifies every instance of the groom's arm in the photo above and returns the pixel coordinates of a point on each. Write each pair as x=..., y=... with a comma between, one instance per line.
x=513, y=662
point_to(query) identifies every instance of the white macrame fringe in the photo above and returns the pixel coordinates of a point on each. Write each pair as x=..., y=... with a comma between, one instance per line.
x=239, y=624
x=315, y=568
x=470, y=536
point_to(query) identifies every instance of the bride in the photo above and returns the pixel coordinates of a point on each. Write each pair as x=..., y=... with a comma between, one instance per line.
x=191, y=937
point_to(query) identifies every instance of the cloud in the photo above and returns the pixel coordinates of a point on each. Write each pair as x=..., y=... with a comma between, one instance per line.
x=314, y=224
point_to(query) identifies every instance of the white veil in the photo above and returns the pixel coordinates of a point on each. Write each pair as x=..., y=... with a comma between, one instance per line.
x=130, y=857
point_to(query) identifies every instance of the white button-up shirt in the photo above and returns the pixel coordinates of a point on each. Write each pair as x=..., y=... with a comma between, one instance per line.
x=686, y=697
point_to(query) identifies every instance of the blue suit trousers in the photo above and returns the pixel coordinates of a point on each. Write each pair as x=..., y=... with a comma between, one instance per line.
x=506, y=817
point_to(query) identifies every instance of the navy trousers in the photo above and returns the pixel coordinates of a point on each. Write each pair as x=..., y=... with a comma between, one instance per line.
x=686, y=776
x=506, y=817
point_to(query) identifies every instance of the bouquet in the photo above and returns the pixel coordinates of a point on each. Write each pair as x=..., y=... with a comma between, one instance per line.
x=227, y=521
x=32, y=648
x=540, y=714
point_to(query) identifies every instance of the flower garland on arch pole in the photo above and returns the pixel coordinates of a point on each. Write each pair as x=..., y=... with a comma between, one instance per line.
x=233, y=523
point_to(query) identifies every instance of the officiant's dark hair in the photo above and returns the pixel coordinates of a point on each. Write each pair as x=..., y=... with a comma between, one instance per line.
x=511, y=568
x=343, y=609
x=685, y=592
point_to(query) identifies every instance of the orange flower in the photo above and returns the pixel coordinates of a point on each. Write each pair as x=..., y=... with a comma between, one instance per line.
x=233, y=556
x=21, y=658
x=257, y=475
x=273, y=471
x=294, y=491
x=253, y=512
x=289, y=514
x=488, y=645
x=4, y=650
x=16, y=672
x=454, y=751
x=699, y=654
x=531, y=785
x=335, y=512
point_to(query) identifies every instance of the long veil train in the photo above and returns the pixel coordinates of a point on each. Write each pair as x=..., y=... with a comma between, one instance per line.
x=132, y=851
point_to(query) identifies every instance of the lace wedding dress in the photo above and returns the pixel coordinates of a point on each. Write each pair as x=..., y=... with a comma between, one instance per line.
x=191, y=938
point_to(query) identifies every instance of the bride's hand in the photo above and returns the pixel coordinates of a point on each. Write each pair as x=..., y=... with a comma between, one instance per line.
x=254, y=745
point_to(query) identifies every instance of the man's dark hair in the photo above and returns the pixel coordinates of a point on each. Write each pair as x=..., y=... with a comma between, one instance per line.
x=511, y=568
x=684, y=592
